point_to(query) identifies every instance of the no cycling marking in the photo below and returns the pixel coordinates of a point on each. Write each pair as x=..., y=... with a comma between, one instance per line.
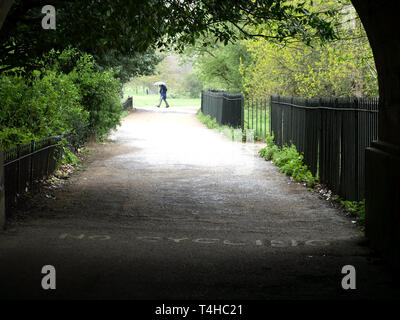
x=154, y=239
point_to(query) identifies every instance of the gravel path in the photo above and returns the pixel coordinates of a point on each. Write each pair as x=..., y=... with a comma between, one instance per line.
x=170, y=209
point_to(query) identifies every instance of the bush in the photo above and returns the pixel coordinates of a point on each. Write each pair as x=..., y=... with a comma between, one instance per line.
x=356, y=208
x=206, y=119
x=61, y=100
x=101, y=98
x=68, y=157
x=46, y=105
x=288, y=160
x=291, y=163
x=68, y=96
x=269, y=151
x=100, y=91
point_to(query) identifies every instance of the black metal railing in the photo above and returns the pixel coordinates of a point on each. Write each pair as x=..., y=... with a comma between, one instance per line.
x=28, y=163
x=257, y=117
x=128, y=103
x=332, y=133
x=226, y=108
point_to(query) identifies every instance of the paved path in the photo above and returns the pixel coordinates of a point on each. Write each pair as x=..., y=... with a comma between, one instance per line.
x=170, y=209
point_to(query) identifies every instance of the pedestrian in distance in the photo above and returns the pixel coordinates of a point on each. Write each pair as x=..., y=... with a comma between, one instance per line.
x=163, y=93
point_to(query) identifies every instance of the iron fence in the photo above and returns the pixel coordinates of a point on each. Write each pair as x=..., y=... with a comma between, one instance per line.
x=332, y=134
x=226, y=108
x=28, y=163
x=128, y=104
x=256, y=117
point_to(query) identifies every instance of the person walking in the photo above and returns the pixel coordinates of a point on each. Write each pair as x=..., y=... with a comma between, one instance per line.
x=163, y=93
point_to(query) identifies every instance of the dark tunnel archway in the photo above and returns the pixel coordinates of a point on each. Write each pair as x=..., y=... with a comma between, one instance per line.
x=381, y=22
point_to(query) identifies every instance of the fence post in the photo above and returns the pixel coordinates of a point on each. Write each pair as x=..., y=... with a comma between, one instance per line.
x=256, y=118
x=18, y=169
x=356, y=153
x=242, y=112
x=31, y=164
x=202, y=102
x=48, y=156
x=2, y=196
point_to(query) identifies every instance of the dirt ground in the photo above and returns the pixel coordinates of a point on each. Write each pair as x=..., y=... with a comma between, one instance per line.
x=167, y=209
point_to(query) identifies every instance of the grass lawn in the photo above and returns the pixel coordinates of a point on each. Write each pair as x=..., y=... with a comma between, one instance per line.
x=257, y=120
x=151, y=100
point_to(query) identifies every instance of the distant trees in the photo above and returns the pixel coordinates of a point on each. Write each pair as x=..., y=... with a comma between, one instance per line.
x=341, y=68
x=260, y=66
x=217, y=65
x=191, y=85
x=177, y=73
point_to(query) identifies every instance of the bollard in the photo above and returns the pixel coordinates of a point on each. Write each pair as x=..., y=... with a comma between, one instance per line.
x=250, y=136
x=238, y=135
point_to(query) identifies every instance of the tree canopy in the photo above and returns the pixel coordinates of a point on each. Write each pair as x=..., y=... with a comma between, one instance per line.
x=132, y=26
x=340, y=68
x=260, y=67
x=217, y=65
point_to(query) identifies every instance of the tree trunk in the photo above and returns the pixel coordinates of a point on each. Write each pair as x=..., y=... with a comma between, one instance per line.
x=5, y=6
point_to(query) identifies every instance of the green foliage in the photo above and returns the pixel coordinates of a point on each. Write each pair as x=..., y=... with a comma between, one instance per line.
x=49, y=104
x=217, y=65
x=99, y=90
x=206, y=119
x=96, y=27
x=129, y=66
x=291, y=163
x=341, y=68
x=10, y=137
x=124, y=114
x=288, y=160
x=68, y=157
x=213, y=124
x=176, y=72
x=356, y=208
x=151, y=100
x=191, y=86
x=68, y=96
x=282, y=19
x=271, y=148
x=124, y=67
x=101, y=98
x=134, y=26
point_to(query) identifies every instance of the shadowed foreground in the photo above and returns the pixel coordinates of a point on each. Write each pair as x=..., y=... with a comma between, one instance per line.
x=172, y=210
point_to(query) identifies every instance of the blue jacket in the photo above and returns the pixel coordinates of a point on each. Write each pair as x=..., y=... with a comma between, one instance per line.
x=163, y=91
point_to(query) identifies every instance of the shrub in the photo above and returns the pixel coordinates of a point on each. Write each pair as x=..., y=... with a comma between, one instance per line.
x=291, y=163
x=68, y=157
x=101, y=98
x=355, y=207
x=288, y=160
x=269, y=151
x=69, y=95
x=100, y=92
x=46, y=105
x=206, y=119
x=61, y=100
